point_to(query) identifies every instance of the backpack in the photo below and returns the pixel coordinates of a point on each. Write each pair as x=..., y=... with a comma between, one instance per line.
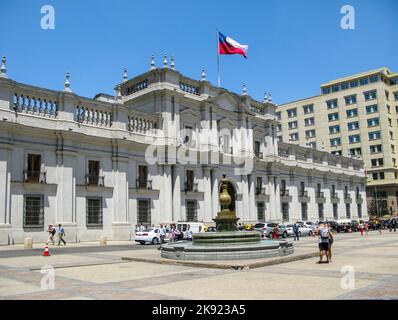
x=325, y=233
x=53, y=232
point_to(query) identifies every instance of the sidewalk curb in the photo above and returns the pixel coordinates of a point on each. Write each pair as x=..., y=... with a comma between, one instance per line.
x=226, y=266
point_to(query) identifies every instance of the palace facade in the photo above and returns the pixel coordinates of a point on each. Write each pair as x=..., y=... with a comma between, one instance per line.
x=153, y=153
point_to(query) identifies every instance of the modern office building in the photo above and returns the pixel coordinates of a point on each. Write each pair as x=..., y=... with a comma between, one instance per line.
x=153, y=153
x=354, y=116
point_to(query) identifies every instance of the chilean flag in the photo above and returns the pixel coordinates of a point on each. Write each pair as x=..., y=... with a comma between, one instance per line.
x=226, y=45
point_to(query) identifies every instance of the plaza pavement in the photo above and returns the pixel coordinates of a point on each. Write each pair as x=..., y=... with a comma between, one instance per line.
x=90, y=271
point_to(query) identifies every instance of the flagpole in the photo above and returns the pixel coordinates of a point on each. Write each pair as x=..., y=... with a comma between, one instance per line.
x=218, y=57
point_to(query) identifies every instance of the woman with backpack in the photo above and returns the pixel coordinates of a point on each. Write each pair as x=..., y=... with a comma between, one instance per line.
x=331, y=240
x=323, y=242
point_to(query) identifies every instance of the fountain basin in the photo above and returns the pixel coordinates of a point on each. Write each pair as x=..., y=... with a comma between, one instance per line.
x=187, y=250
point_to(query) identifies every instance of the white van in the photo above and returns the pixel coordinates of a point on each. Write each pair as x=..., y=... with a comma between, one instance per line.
x=196, y=227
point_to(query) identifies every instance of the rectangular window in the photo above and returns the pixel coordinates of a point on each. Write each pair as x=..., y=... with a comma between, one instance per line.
x=396, y=95
x=355, y=151
x=326, y=90
x=359, y=206
x=370, y=95
x=334, y=129
x=189, y=180
x=344, y=86
x=377, y=162
x=371, y=109
x=335, y=212
x=278, y=128
x=310, y=133
x=260, y=211
x=335, y=142
x=308, y=108
x=363, y=81
x=94, y=212
x=333, y=116
x=142, y=177
x=377, y=148
x=285, y=211
x=374, y=78
x=278, y=115
x=33, y=211
x=352, y=113
x=335, y=88
x=292, y=113
x=348, y=210
x=351, y=99
x=353, y=125
x=34, y=164
x=332, y=104
x=375, y=135
x=293, y=125
x=354, y=138
x=257, y=148
x=309, y=121
x=373, y=122
x=93, y=172
x=144, y=212
x=191, y=207
x=283, y=187
x=304, y=211
x=294, y=136
x=321, y=214
x=354, y=84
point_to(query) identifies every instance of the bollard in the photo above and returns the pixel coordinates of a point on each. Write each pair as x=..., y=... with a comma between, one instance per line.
x=28, y=243
x=103, y=240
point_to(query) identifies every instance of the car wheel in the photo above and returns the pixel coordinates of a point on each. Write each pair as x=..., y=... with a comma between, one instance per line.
x=142, y=242
x=284, y=235
x=155, y=241
x=310, y=234
x=299, y=233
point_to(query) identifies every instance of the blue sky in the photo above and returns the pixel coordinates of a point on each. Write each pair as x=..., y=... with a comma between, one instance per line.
x=294, y=46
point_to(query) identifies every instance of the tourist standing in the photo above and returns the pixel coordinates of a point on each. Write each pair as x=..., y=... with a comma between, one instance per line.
x=61, y=235
x=296, y=230
x=323, y=242
x=366, y=228
x=380, y=225
x=51, y=232
x=394, y=224
x=142, y=228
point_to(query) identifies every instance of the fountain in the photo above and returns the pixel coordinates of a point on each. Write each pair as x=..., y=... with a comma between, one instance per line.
x=227, y=243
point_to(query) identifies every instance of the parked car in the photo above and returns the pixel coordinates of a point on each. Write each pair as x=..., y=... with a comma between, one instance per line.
x=304, y=230
x=261, y=226
x=148, y=235
x=283, y=231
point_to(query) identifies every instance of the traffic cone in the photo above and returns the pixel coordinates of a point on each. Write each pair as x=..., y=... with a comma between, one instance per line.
x=46, y=252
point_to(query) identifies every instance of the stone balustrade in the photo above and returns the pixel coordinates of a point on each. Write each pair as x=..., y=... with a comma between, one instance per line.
x=94, y=116
x=141, y=85
x=189, y=88
x=141, y=125
x=35, y=104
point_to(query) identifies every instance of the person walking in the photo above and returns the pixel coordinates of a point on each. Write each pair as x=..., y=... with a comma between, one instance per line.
x=366, y=228
x=296, y=232
x=142, y=228
x=361, y=227
x=51, y=232
x=380, y=225
x=61, y=235
x=394, y=224
x=162, y=233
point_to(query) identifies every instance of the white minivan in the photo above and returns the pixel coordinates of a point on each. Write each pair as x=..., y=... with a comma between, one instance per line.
x=196, y=227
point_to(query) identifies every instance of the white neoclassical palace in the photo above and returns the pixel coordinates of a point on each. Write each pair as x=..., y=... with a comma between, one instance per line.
x=155, y=153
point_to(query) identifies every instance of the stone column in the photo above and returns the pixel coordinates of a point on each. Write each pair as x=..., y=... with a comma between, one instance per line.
x=215, y=195
x=5, y=195
x=252, y=199
x=207, y=217
x=166, y=195
x=121, y=227
x=178, y=174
